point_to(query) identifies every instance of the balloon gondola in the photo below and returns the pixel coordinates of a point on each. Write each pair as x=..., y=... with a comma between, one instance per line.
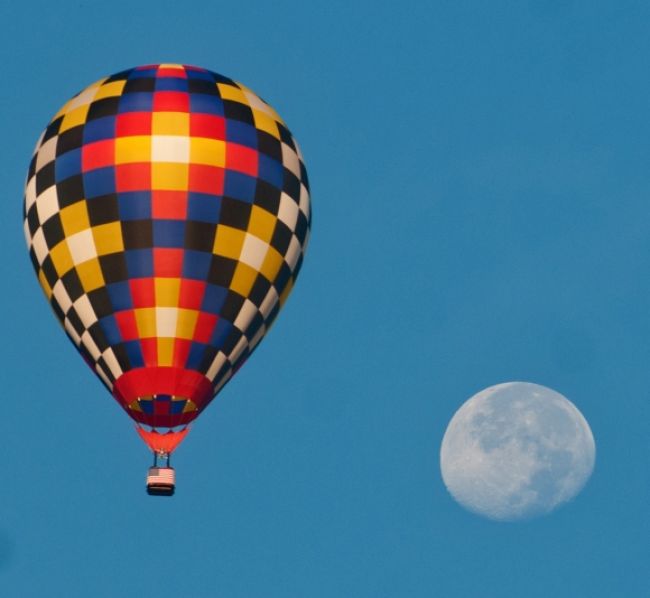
x=167, y=213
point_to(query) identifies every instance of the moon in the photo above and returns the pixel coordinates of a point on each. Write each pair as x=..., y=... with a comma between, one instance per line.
x=516, y=451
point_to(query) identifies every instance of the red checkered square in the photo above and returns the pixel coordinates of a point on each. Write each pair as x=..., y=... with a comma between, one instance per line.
x=191, y=294
x=170, y=205
x=171, y=101
x=127, y=325
x=171, y=72
x=98, y=155
x=149, y=351
x=133, y=177
x=133, y=123
x=167, y=263
x=181, y=352
x=242, y=159
x=143, y=293
x=207, y=125
x=205, y=324
x=206, y=179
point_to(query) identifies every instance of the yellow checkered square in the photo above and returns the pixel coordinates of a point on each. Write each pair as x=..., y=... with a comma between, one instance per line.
x=228, y=241
x=243, y=279
x=211, y=152
x=231, y=92
x=186, y=323
x=110, y=90
x=167, y=176
x=170, y=123
x=262, y=224
x=108, y=238
x=272, y=264
x=61, y=258
x=165, y=347
x=74, y=218
x=167, y=291
x=90, y=275
x=75, y=117
x=145, y=319
x=265, y=122
x=136, y=148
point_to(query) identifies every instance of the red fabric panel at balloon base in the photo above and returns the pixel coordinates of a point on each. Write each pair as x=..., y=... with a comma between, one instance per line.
x=171, y=381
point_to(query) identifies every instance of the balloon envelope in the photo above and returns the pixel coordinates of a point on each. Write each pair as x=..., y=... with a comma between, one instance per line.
x=167, y=214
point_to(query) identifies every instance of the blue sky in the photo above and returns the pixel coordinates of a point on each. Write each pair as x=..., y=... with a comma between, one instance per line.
x=480, y=193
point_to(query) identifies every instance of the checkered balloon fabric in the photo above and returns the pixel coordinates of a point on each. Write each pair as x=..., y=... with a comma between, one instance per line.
x=167, y=214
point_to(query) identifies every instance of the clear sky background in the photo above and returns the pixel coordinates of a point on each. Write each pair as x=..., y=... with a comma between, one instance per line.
x=481, y=207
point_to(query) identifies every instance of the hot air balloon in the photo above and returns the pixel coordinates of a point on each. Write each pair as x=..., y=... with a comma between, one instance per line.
x=166, y=213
